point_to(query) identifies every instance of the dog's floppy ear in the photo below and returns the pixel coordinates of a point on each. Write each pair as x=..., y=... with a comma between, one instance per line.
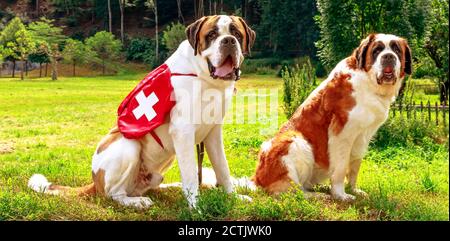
x=361, y=52
x=192, y=33
x=408, y=58
x=251, y=36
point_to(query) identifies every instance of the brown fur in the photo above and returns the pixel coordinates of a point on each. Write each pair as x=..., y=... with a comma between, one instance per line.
x=197, y=32
x=406, y=59
x=113, y=136
x=99, y=181
x=248, y=35
x=327, y=109
x=271, y=168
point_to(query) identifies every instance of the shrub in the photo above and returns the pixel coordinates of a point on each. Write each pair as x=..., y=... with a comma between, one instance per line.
x=297, y=85
x=173, y=36
x=137, y=47
x=401, y=132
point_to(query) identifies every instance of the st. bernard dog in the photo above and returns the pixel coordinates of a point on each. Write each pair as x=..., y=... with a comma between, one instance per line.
x=124, y=169
x=329, y=133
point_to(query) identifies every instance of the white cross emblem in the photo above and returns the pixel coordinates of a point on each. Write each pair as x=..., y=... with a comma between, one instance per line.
x=145, y=106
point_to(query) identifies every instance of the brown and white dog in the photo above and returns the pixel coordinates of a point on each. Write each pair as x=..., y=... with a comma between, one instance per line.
x=124, y=169
x=329, y=133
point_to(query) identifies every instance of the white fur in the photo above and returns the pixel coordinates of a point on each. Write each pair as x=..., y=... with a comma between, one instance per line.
x=121, y=160
x=39, y=183
x=346, y=149
x=212, y=52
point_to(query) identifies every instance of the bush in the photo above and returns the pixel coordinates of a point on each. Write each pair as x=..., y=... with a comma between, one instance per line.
x=297, y=85
x=401, y=132
x=425, y=68
x=173, y=36
x=137, y=48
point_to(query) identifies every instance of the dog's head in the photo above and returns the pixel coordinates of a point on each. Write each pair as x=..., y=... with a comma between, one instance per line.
x=385, y=57
x=222, y=41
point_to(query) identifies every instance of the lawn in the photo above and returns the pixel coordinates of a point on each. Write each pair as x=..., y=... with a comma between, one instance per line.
x=53, y=128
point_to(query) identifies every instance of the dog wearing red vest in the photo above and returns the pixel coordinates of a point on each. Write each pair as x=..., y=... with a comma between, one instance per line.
x=329, y=133
x=203, y=73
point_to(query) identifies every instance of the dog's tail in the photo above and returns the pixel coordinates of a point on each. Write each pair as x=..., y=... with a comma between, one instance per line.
x=209, y=179
x=39, y=183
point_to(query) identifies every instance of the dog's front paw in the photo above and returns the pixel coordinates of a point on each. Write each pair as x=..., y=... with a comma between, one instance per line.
x=137, y=202
x=344, y=197
x=244, y=198
x=360, y=193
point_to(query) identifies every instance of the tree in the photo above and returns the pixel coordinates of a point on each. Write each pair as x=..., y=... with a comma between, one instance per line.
x=287, y=27
x=105, y=46
x=173, y=36
x=9, y=37
x=436, y=44
x=45, y=31
x=153, y=5
x=75, y=52
x=22, y=47
x=343, y=23
x=40, y=56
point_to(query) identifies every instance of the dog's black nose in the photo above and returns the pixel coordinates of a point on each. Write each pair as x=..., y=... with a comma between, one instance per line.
x=228, y=41
x=388, y=57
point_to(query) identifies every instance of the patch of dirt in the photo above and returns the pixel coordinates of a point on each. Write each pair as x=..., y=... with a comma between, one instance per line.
x=6, y=148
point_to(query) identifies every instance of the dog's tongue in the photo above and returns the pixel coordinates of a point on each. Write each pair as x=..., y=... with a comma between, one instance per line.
x=225, y=69
x=388, y=69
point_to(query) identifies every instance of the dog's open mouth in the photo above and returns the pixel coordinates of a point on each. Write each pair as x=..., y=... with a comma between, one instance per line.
x=388, y=76
x=227, y=70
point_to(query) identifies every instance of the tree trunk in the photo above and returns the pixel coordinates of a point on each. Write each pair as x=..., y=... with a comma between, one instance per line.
x=54, y=69
x=37, y=8
x=156, y=31
x=180, y=13
x=210, y=7
x=74, y=68
x=103, y=66
x=201, y=11
x=122, y=7
x=14, y=68
x=40, y=70
x=23, y=68
x=26, y=68
x=195, y=9
x=443, y=90
x=109, y=16
x=46, y=68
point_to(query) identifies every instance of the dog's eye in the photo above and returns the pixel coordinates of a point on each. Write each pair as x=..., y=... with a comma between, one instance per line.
x=396, y=49
x=377, y=50
x=237, y=35
x=212, y=34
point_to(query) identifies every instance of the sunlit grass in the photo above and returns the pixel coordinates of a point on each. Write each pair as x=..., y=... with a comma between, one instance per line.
x=53, y=127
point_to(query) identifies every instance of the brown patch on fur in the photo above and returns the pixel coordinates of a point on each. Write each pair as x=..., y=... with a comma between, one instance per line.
x=270, y=168
x=279, y=186
x=99, y=181
x=360, y=59
x=248, y=35
x=406, y=59
x=327, y=109
x=86, y=190
x=352, y=63
x=197, y=32
x=113, y=136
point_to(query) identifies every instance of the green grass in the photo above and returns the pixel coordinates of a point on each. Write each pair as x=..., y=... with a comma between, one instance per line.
x=53, y=128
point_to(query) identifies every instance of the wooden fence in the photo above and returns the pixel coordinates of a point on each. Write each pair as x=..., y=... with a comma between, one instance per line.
x=437, y=113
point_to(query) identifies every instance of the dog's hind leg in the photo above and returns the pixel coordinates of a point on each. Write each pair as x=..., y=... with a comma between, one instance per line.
x=119, y=165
